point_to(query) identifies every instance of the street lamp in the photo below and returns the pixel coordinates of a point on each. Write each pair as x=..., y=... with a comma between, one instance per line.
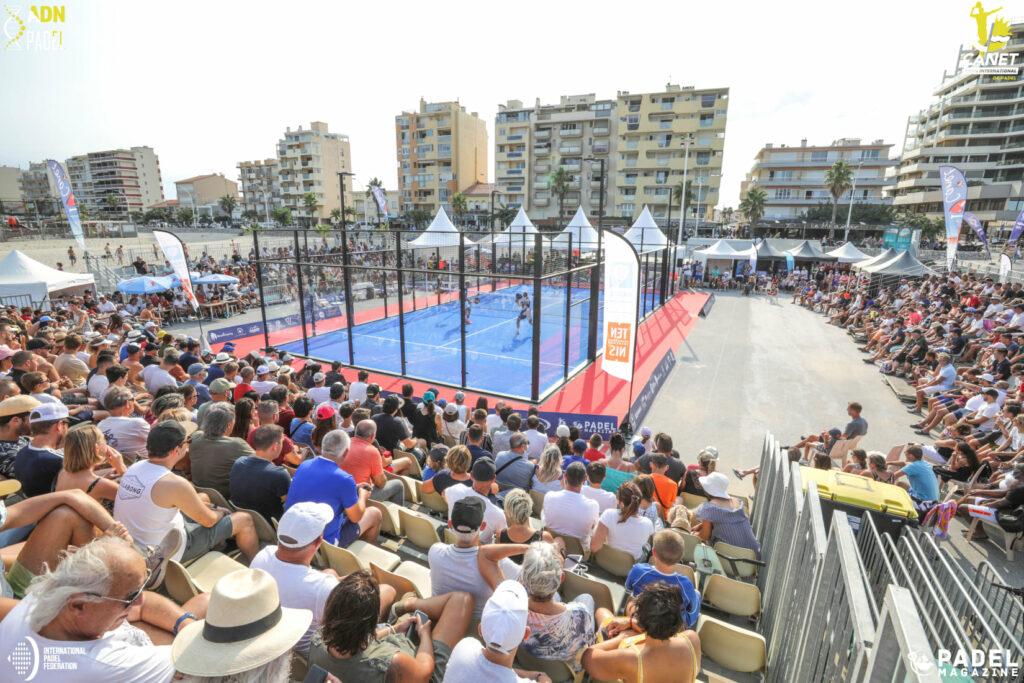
x=687, y=139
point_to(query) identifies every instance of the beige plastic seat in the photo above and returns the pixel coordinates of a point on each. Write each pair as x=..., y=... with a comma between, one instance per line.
x=687, y=571
x=358, y=555
x=183, y=583
x=615, y=562
x=415, y=471
x=538, y=502
x=573, y=545
x=408, y=577
x=692, y=501
x=732, y=597
x=690, y=542
x=433, y=501
x=419, y=530
x=732, y=647
x=741, y=570
x=559, y=670
x=407, y=484
x=605, y=593
x=264, y=530
x=390, y=523
x=215, y=497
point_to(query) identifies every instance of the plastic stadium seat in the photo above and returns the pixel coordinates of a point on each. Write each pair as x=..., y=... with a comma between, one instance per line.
x=692, y=501
x=407, y=484
x=408, y=577
x=605, y=593
x=732, y=597
x=264, y=530
x=183, y=583
x=573, y=545
x=390, y=523
x=687, y=571
x=690, y=541
x=736, y=570
x=615, y=562
x=418, y=530
x=732, y=647
x=538, y=502
x=432, y=501
x=357, y=556
x=415, y=471
x=559, y=670
x=215, y=497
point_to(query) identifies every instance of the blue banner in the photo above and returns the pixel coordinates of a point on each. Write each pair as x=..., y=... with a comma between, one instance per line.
x=644, y=399
x=67, y=200
x=790, y=262
x=972, y=220
x=954, y=201
x=223, y=334
x=1010, y=248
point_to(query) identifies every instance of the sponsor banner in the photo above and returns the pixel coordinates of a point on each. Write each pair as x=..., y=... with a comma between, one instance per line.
x=1005, y=264
x=621, y=289
x=67, y=200
x=954, y=201
x=382, y=201
x=1010, y=248
x=644, y=399
x=979, y=230
x=790, y=263
x=223, y=334
x=706, y=308
x=175, y=253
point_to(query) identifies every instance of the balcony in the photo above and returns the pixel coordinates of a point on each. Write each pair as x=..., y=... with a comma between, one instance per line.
x=541, y=201
x=571, y=167
x=601, y=131
x=573, y=185
x=601, y=149
x=542, y=168
x=542, y=151
x=541, y=184
x=595, y=184
x=542, y=134
x=570, y=149
x=570, y=132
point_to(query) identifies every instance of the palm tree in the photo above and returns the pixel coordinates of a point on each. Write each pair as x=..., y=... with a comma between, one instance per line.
x=417, y=216
x=251, y=215
x=752, y=207
x=505, y=215
x=310, y=204
x=350, y=212
x=838, y=180
x=374, y=182
x=227, y=205
x=336, y=216
x=727, y=213
x=560, y=179
x=459, y=206
x=282, y=215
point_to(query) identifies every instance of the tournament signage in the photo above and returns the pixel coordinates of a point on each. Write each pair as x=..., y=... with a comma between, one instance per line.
x=67, y=200
x=175, y=254
x=954, y=200
x=645, y=398
x=1006, y=258
x=979, y=230
x=621, y=289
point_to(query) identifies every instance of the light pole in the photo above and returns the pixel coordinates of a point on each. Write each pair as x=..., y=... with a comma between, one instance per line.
x=595, y=273
x=347, y=275
x=687, y=138
x=849, y=212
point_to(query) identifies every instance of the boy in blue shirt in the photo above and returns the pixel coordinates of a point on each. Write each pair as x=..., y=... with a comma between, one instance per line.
x=666, y=553
x=435, y=461
x=579, y=447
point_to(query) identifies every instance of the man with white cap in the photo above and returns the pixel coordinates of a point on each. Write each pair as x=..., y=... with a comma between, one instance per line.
x=37, y=465
x=318, y=392
x=266, y=378
x=299, y=535
x=246, y=631
x=502, y=629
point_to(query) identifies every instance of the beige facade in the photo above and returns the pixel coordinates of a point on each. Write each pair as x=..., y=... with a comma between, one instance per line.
x=654, y=129
x=531, y=143
x=976, y=123
x=365, y=206
x=132, y=176
x=309, y=160
x=204, y=190
x=36, y=183
x=441, y=150
x=10, y=184
x=261, y=187
x=793, y=178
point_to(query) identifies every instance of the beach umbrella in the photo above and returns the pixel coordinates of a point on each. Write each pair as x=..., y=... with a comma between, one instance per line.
x=215, y=279
x=144, y=284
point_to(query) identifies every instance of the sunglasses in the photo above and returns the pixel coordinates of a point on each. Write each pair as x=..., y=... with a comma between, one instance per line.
x=132, y=597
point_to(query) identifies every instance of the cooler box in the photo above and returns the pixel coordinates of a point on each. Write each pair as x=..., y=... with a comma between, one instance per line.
x=853, y=494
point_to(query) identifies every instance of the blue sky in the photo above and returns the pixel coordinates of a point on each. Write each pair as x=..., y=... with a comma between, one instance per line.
x=208, y=84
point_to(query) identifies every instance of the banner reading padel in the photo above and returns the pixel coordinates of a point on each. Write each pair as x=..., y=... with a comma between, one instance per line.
x=621, y=288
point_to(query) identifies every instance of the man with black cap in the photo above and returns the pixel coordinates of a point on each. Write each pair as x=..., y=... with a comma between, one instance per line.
x=391, y=431
x=453, y=567
x=482, y=475
x=371, y=404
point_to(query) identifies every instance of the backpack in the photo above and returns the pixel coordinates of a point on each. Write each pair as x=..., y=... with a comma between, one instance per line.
x=1011, y=519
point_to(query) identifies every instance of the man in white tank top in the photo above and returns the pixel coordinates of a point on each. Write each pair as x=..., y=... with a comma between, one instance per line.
x=151, y=501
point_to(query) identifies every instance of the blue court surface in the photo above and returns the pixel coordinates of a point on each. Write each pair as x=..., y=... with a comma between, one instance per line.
x=498, y=359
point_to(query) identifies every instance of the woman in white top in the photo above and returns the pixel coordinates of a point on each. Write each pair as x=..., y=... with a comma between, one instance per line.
x=449, y=424
x=623, y=528
x=548, y=476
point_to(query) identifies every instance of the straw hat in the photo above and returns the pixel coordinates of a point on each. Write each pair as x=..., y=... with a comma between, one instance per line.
x=245, y=628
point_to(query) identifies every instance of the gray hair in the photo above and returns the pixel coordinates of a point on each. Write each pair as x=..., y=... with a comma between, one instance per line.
x=218, y=419
x=541, y=574
x=518, y=506
x=335, y=444
x=278, y=670
x=366, y=429
x=117, y=397
x=85, y=571
x=517, y=440
x=267, y=408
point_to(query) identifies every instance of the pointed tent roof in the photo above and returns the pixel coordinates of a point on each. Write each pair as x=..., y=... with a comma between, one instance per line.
x=20, y=274
x=880, y=258
x=441, y=233
x=719, y=249
x=848, y=254
x=767, y=251
x=584, y=236
x=902, y=265
x=808, y=252
x=646, y=232
x=519, y=233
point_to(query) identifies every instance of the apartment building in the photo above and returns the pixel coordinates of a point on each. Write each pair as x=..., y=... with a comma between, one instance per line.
x=261, y=187
x=365, y=206
x=532, y=143
x=793, y=178
x=660, y=133
x=441, y=149
x=116, y=181
x=204, y=190
x=309, y=160
x=10, y=184
x=976, y=123
x=36, y=183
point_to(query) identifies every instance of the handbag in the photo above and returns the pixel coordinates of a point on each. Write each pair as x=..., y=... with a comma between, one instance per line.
x=1011, y=519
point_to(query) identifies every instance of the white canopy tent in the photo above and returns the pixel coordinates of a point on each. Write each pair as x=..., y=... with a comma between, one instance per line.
x=441, y=233
x=848, y=254
x=519, y=234
x=583, y=235
x=646, y=232
x=21, y=276
x=719, y=250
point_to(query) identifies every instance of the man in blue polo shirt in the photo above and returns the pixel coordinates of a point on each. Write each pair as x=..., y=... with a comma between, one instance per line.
x=321, y=480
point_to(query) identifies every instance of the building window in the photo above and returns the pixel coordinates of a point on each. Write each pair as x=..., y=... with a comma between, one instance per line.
x=820, y=155
x=706, y=120
x=707, y=101
x=782, y=193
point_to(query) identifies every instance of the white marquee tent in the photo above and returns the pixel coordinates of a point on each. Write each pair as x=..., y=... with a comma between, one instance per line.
x=719, y=250
x=849, y=254
x=584, y=236
x=646, y=232
x=441, y=233
x=21, y=275
x=519, y=233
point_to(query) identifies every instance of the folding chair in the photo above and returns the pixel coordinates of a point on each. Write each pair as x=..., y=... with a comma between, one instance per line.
x=605, y=593
x=215, y=496
x=265, y=532
x=959, y=488
x=738, y=563
x=433, y=501
x=407, y=577
x=733, y=597
x=357, y=556
x=615, y=562
x=559, y=670
x=417, y=529
x=839, y=451
x=732, y=647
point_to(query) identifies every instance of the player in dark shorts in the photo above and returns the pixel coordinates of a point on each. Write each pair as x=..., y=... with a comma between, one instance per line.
x=470, y=300
x=524, y=310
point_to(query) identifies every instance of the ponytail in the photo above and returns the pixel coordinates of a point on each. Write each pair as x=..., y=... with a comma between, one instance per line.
x=629, y=501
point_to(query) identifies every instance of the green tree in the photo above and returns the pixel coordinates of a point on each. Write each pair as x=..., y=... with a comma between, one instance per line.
x=838, y=180
x=184, y=216
x=136, y=216
x=113, y=202
x=310, y=203
x=374, y=182
x=227, y=205
x=283, y=215
x=350, y=212
x=336, y=216
x=418, y=216
x=727, y=213
x=459, y=206
x=560, y=179
x=505, y=215
x=251, y=215
x=752, y=207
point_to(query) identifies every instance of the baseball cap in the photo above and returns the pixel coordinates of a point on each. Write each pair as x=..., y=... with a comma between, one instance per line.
x=428, y=397
x=638, y=448
x=262, y=370
x=467, y=514
x=371, y=389
x=220, y=386
x=503, y=620
x=712, y=450
x=303, y=523
x=37, y=343
x=16, y=405
x=442, y=403
x=150, y=325
x=997, y=345
x=450, y=409
x=46, y=412
x=393, y=403
x=835, y=433
x=230, y=346
x=579, y=445
x=645, y=431
x=6, y=351
x=319, y=377
x=562, y=431
x=195, y=369
x=45, y=319
x=459, y=396
x=483, y=470
x=438, y=452
x=165, y=436
x=132, y=348
x=325, y=412
x=987, y=377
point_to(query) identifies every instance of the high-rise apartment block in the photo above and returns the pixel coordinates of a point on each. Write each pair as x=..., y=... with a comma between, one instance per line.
x=793, y=178
x=204, y=189
x=442, y=149
x=976, y=124
x=36, y=183
x=261, y=187
x=116, y=181
x=309, y=160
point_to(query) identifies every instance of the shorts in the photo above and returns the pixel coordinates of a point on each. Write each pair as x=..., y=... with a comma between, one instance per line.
x=442, y=653
x=200, y=540
x=19, y=578
x=932, y=390
x=348, y=533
